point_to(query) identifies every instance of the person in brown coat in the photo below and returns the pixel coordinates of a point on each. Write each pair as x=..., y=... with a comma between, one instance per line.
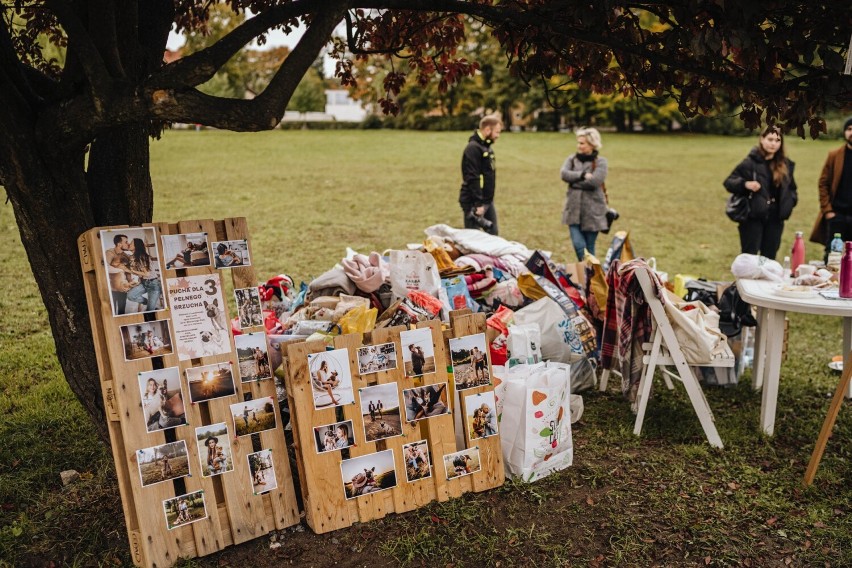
x=835, y=193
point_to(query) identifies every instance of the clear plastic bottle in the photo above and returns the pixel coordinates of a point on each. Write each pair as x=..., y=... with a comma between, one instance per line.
x=797, y=256
x=786, y=266
x=835, y=253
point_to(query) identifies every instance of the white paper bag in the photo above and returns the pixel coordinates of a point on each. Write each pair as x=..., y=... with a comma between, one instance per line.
x=524, y=344
x=535, y=419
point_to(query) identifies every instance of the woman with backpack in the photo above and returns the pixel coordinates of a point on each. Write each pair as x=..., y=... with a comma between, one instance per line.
x=765, y=177
x=585, y=203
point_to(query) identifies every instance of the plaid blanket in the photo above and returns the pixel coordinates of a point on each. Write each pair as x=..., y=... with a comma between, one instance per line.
x=627, y=322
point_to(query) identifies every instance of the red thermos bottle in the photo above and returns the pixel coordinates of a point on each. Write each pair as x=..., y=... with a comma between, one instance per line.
x=797, y=256
x=846, y=272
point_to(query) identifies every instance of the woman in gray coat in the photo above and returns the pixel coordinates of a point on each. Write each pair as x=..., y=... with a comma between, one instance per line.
x=585, y=204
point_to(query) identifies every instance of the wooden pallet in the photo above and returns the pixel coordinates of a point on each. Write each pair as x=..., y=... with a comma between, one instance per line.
x=234, y=513
x=326, y=506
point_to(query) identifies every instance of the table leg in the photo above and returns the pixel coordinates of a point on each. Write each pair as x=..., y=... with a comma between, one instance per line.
x=758, y=364
x=847, y=350
x=828, y=424
x=773, y=338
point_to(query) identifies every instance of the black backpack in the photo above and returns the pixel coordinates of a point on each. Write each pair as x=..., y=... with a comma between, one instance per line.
x=734, y=313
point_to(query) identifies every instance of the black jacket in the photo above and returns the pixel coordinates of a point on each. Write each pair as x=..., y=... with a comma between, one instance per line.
x=478, y=173
x=754, y=167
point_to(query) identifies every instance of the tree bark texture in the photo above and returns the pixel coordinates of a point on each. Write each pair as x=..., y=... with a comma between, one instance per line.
x=54, y=203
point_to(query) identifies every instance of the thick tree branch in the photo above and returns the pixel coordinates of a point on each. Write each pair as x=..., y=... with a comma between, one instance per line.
x=102, y=21
x=81, y=47
x=16, y=72
x=199, y=67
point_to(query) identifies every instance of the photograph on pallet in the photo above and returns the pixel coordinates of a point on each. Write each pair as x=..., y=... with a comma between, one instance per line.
x=162, y=463
x=231, y=254
x=376, y=358
x=417, y=463
x=262, y=472
x=210, y=381
x=185, y=509
x=248, y=307
x=253, y=416
x=331, y=437
x=481, y=415
x=469, y=356
x=418, y=352
x=145, y=340
x=162, y=399
x=131, y=258
x=198, y=314
x=462, y=463
x=380, y=411
x=331, y=380
x=252, y=357
x=214, y=449
x=368, y=474
x=187, y=250
x=425, y=402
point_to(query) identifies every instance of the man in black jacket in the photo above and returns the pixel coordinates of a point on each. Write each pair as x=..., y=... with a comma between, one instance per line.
x=478, y=177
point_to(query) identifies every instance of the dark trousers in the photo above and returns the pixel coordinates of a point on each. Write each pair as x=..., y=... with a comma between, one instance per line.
x=490, y=214
x=761, y=237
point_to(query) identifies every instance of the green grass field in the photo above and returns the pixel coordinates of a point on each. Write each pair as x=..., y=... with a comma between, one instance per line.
x=666, y=498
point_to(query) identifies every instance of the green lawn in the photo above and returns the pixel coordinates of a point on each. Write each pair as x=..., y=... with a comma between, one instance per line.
x=666, y=498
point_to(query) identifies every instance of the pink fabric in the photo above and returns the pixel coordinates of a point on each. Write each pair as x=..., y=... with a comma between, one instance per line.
x=367, y=273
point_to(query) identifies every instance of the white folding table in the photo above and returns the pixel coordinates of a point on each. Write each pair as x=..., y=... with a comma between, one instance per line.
x=769, y=338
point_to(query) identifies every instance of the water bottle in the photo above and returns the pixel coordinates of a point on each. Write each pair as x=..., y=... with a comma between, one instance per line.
x=797, y=256
x=846, y=272
x=835, y=254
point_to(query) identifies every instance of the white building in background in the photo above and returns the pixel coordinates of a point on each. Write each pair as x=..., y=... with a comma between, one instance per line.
x=340, y=105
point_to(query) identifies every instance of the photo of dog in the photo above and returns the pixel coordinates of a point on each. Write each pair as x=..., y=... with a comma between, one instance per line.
x=199, y=316
x=185, y=509
x=368, y=474
x=462, y=463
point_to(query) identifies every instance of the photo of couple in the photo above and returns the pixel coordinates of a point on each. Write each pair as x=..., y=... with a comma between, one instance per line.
x=462, y=463
x=132, y=262
x=469, y=356
x=481, y=415
x=252, y=356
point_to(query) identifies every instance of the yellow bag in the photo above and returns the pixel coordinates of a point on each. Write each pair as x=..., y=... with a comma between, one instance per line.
x=530, y=288
x=597, y=285
x=359, y=319
x=680, y=281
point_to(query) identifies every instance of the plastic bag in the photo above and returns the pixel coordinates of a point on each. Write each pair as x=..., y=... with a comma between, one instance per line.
x=458, y=295
x=757, y=267
x=359, y=319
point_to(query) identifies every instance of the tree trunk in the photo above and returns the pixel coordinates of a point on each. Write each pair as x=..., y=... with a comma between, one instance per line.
x=53, y=205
